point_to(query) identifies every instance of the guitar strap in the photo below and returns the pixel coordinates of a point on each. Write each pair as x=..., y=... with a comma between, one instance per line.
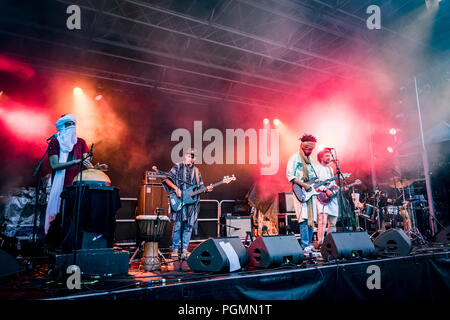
x=196, y=176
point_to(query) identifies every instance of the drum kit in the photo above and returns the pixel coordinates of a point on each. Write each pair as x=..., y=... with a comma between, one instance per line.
x=394, y=206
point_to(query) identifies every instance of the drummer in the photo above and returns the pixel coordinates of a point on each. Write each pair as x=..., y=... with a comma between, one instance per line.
x=65, y=151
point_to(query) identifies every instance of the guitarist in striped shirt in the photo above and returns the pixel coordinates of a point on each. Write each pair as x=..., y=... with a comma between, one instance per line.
x=182, y=176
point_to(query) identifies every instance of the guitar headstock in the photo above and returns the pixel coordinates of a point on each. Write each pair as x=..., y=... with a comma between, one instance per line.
x=228, y=179
x=357, y=182
x=346, y=175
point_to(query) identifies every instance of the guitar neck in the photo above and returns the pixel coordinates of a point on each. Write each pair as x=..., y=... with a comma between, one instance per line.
x=204, y=189
x=323, y=182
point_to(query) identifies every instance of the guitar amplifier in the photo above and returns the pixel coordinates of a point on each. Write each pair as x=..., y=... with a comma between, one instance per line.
x=286, y=202
x=152, y=197
x=151, y=177
x=238, y=226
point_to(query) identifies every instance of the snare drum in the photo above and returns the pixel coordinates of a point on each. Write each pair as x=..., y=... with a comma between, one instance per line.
x=150, y=229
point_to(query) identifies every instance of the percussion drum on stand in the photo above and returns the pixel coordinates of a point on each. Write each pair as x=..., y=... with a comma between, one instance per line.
x=150, y=228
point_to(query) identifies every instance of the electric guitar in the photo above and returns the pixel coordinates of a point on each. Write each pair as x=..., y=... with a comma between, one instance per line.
x=189, y=195
x=303, y=195
x=324, y=199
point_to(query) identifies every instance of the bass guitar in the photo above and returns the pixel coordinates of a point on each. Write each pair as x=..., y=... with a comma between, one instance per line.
x=303, y=195
x=189, y=195
x=324, y=199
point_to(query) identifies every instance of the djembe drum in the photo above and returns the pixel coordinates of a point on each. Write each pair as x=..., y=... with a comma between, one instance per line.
x=150, y=228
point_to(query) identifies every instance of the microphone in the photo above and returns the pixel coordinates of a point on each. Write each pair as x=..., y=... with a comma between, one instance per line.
x=53, y=135
x=90, y=152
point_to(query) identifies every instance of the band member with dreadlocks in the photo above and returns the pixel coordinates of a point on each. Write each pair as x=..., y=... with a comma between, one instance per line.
x=300, y=168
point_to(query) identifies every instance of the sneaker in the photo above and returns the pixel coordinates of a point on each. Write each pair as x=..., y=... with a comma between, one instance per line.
x=186, y=254
x=310, y=251
x=174, y=255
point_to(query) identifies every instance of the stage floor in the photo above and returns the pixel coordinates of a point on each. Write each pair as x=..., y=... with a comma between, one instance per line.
x=424, y=274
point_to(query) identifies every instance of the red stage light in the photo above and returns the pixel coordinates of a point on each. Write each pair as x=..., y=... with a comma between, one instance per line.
x=390, y=149
x=99, y=97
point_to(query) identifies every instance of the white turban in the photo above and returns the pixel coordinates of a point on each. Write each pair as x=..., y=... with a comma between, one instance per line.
x=67, y=137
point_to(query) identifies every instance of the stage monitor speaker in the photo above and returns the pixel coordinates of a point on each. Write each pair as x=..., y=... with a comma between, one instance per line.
x=286, y=202
x=8, y=265
x=271, y=251
x=348, y=245
x=152, y=197
x=212, y=255
x=444, y=236
x=393, y=242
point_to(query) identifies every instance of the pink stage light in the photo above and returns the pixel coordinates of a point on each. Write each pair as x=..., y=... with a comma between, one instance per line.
x=390, y=149
x=276, y=122
x=266, y=121
x=99, y=97
x=393, y=131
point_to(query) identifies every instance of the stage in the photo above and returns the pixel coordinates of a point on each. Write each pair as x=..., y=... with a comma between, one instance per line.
x=424, y=275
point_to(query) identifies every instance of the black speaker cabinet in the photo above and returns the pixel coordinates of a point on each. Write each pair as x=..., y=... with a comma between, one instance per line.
x=8, y=265
x=211, y=256
x=151, y=197
x=92, y=261
x=286, y=202
x=288, y=224
x=393, y=242
x=271, y=251
x=348, y=245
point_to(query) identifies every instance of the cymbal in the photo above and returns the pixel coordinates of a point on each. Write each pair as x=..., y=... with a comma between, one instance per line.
x=402, y=182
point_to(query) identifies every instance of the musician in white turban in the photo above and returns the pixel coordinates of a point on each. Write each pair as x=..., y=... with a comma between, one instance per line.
x=65, y=152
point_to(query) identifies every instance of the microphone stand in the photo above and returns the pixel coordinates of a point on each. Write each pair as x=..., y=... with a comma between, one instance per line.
x=37, y=173
x=339, y=175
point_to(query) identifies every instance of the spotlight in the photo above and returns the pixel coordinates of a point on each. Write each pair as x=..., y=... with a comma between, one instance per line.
x=390, y=149
x=432, y=4
x=393, y=131
x=77, y=91
x=276, y=122
x=266, y=121
x=98, y=97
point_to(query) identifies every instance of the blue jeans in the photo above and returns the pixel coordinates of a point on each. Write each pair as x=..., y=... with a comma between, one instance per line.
x=306, y=234
x=181, y=230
